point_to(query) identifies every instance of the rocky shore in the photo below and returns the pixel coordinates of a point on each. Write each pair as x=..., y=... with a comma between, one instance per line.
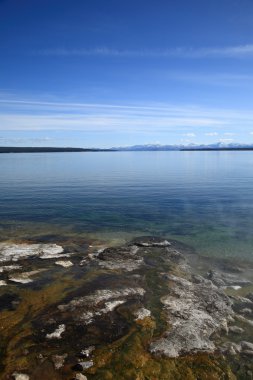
x=139, y=311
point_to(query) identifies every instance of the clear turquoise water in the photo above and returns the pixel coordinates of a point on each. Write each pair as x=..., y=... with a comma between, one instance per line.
x=202, y=198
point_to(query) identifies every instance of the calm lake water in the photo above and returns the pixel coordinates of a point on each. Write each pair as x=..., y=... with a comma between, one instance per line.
x=202, y=198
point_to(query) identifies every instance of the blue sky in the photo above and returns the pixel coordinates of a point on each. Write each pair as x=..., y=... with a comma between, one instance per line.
x=96, y=73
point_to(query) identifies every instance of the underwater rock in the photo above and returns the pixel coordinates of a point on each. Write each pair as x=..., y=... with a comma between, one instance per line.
x=9, y=268
x=64, y=263
x=87, y=351
x=3, y=283
x=57, y=333
x=124, y=258
x=222, y=279
x=248, y=353
x=142, y=313
x=246, y=345
x=194, y=312
x=82, y=365
x=246, y=311
x=250, y=296
x=151, y=242
x=24, y=278
x=245, y=320
x=235, y=329
x=80, y=376
x=15, y=252
x=98, y=303
x=20, y=376
x=230, y=348
x=59, y=360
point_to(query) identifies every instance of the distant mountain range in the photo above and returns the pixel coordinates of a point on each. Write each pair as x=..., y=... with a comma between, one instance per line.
x=188, y=147
x=134, y=148
x=15, y=149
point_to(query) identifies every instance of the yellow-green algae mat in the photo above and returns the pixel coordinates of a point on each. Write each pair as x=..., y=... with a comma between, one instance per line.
x=121, y=341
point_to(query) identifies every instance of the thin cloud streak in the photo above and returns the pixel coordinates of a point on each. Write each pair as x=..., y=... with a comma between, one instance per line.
x=23, y=114
x=240, y=51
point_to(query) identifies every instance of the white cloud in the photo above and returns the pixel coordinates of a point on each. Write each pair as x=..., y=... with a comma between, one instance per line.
x=211, y=134
x=210, y=79
x=22, y=114
x=226, y=140
x=18, y=114
x=238, y=51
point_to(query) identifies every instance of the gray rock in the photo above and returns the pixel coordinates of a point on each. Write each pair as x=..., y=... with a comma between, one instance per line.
x=246, y=311
x=87, y=351
x=15, y=252
x=250, y=296
x=142, y=314
x=86, y=364
x=248, y=353
x=236, y=330
x=82, y=365
x=25, y=277
x=222, y=279
x=195, y=312
x=80, y=376
x=59, y=360
x=231, y=348
x=99, y=303
x=247, y=346
x=57, y=333
x=245, y=320
x=125, y=258
x=20, y=376
x=164, y=243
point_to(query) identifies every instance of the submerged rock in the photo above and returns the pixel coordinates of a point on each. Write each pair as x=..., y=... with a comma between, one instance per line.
x=188, y=314
x=151, y=242
x=231, y=348
x=15, y=252
x=59, y=360
x=20, y=376
x=101, y=302
x=222, y=279
x=83, y=365
x=9, y=268
x=3, y=283
x=87, y=351
x=57, y=333
x=194, y=312
x=25, y=278
x=64, y=263
x=247, y=345
x=142, y=313
x=125, y=258
x=80, y=376
x=236, y=329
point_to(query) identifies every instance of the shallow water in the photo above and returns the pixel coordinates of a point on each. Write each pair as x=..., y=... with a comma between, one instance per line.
x=202, y=198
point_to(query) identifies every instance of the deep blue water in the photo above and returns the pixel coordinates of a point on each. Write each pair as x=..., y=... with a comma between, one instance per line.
x=202, y=198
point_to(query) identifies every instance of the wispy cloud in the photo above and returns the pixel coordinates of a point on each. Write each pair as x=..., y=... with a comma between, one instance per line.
x=187, y=120
x=211, y=134
x=239, y=51
x=211, y=79
x=18, y=140
x=226, y=140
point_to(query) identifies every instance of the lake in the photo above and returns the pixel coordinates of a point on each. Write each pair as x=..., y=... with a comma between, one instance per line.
x=204, y=199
